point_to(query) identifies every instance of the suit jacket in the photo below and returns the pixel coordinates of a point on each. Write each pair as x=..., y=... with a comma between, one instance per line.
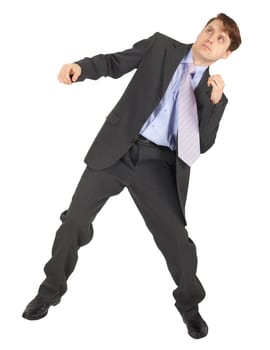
x=155, y=59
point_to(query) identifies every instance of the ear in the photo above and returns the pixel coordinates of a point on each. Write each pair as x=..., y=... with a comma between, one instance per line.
x=227, y=54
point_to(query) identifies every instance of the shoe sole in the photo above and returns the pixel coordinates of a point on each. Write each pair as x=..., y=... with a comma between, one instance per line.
x=39, y=316
x=198, y=335
x=34, y=317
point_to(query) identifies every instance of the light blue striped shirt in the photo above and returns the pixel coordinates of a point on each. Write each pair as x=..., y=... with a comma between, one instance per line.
x=161, y=126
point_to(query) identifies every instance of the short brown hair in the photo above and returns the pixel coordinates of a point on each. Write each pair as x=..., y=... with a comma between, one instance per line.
x=231, y=28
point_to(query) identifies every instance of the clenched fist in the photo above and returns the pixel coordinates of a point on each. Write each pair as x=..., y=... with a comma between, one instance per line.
x=217, y=87
x=69, y=73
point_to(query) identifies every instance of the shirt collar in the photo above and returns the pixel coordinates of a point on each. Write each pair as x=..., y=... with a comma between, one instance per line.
x=189, y=59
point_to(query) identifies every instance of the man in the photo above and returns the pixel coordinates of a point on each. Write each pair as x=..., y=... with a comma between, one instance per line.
x=169, y=114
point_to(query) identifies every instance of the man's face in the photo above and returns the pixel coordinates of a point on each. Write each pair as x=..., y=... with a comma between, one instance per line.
x=212, y=43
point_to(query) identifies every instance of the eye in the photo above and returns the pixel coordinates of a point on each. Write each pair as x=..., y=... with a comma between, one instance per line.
x=209, y=30
x=221, y=39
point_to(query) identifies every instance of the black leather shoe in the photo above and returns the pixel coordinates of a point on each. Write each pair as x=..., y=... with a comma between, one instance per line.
x=197, y=327
x=38, y=308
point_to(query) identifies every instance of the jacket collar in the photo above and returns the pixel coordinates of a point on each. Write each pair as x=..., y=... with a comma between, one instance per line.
x=176, y=52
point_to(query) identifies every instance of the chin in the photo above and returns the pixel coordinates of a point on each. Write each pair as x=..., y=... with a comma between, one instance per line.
x=204, y=55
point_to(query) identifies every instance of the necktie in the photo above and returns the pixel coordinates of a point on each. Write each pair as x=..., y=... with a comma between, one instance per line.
x=188, y=126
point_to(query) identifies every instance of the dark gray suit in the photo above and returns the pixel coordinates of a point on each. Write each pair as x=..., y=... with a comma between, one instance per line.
x=116, y=160
x=156, y=59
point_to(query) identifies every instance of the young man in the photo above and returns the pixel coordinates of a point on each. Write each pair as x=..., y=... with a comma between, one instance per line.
x=167, y=116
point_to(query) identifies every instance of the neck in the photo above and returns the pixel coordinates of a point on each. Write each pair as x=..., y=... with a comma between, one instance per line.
x=198, y=60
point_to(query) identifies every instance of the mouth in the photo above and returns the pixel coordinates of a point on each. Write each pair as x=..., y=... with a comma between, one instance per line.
x=206, y=46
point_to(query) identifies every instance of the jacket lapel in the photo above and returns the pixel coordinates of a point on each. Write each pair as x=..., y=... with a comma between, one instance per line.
x=173, y=54
x=203, y=90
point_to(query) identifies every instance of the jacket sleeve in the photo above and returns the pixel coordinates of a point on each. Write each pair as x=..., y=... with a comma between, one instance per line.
x=209, y=124
x=115, y=64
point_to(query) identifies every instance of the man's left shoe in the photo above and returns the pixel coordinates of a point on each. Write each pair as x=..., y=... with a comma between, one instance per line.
x=196, y=326
x=38, y=308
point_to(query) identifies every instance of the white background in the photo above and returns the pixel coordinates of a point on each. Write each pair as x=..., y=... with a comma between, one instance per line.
x=119, y=295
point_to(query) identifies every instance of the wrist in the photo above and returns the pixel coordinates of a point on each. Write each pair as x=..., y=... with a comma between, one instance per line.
x=215, y=101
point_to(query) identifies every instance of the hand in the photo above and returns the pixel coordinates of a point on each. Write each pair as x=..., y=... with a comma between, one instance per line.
x=69, y=73
x=217, y=87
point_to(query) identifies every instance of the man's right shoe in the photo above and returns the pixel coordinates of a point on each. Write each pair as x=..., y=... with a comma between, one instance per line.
x=38, y=308
x=196, y=326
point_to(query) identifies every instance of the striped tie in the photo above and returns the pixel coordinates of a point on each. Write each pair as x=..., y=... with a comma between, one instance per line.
x=188, y=126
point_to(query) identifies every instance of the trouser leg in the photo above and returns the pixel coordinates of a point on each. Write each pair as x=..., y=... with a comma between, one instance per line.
x=76, y=230
x=154, y=192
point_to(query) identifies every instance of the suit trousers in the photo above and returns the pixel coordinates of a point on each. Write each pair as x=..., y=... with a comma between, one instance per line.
x=148, y=172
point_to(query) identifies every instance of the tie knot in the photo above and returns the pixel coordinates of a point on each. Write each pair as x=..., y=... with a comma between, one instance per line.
x=190, y=68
